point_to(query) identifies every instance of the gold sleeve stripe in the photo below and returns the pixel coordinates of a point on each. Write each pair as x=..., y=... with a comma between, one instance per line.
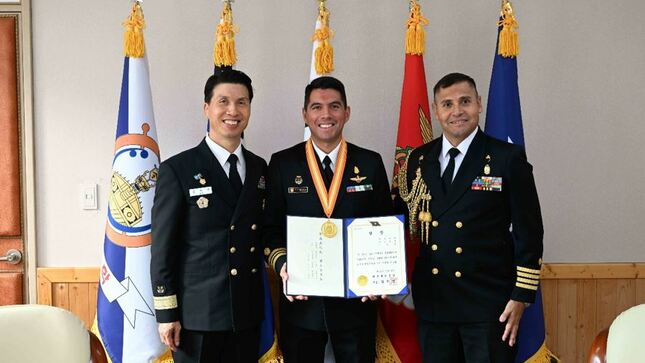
x=165, y=302
x=531, y=282
x=529, y=270
x=525, y=286
x=528, y=276
x=275, y=254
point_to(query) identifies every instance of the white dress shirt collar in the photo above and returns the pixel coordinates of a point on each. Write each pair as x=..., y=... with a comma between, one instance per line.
x=463, y=146
x=221, y=154
x=333, y=155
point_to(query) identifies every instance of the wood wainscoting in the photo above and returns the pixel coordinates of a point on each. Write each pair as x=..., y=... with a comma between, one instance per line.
x=582, y=299
x=74, y=289
x=579, y=299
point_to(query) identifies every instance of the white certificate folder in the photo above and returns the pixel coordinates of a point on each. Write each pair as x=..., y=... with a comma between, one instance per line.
x=349, y=258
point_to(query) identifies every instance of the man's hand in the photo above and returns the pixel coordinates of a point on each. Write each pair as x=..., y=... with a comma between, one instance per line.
x=511, y=315
x=285, y=277
x=169, y=334
x=372, y=297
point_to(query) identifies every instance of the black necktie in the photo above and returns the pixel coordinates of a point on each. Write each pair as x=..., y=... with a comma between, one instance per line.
x=450, y=169
x=327, y=173
x=234, y=175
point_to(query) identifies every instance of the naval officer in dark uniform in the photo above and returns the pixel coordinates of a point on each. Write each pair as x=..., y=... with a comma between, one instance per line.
x=296, y=177
x=474, y=274
x=206, y=253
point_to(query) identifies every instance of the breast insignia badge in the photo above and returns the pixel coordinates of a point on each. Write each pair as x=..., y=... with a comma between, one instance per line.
x=358, y=179
x=202, y=202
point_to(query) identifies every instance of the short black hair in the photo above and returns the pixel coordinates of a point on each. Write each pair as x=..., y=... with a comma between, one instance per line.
x=227, y=76
x=326, y=82
x=451, y=79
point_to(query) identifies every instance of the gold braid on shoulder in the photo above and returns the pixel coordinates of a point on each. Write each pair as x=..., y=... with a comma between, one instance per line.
x=417, y=199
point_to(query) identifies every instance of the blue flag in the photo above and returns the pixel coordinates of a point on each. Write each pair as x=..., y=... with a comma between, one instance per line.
x=125, y=317
x=504, y=122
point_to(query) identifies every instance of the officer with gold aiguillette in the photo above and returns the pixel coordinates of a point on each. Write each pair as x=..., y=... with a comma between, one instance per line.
x=463, y=192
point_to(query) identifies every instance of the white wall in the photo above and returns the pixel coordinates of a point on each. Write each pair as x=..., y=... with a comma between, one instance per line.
x=581, y=83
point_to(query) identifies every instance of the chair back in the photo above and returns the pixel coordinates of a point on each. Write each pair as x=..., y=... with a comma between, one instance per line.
x=41, y=333
x=626, y=339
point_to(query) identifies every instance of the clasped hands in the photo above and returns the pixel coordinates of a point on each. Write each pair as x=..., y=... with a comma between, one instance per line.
x=285, y=276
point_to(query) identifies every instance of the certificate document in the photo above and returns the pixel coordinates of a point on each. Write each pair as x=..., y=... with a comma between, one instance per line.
x=346, y=257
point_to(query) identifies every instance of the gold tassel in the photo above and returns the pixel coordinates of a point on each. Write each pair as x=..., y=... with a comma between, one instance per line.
x=324, y=54
x=509, y=45
x=133, y=44
x=415, y=36
x=543, y=355
x=224, y=50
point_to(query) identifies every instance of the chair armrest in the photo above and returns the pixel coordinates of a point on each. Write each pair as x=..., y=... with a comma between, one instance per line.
x=598, y=351
x=97, y=353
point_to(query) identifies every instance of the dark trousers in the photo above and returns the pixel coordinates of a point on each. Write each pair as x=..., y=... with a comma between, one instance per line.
x=465, y=342
x=218, y=346
x=300, y=345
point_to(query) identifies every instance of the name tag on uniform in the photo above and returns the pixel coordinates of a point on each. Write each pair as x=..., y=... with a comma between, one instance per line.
x=487, y=183
x=195, y=192
x=298, y=190
x=359, y=188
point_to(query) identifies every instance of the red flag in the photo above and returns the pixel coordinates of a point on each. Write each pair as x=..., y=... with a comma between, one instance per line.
x=397, y=329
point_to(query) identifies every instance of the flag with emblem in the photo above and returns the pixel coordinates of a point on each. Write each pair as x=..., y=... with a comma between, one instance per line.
x=396, y=338
x=125, y=320
x=322, y=53
x=225, y=57
x=504, y=122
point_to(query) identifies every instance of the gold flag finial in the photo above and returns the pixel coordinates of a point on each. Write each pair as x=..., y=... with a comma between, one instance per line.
x=415, y=36
x=324, y=54
x=509, y=44
x=224, y=50
x=133, y=44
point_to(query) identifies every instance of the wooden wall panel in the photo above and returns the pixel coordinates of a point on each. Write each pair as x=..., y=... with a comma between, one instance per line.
x=73, y=289
x=579, y=299
x=585, y=324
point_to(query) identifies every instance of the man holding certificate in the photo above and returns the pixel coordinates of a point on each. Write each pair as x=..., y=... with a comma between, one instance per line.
x=325, y=179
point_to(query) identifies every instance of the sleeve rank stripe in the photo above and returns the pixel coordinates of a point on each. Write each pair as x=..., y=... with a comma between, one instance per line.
x=165, y=302
x=528, y=276
x=275, y=254
x=531, y=282
x=525, y=286
x=529, y=270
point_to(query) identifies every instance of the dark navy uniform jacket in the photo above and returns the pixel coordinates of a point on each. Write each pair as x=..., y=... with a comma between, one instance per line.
x=473, y=263
x=288, y=169
x=206, y=262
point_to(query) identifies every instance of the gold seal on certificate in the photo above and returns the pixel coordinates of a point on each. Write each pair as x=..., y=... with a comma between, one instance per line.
x=328, y=229
x=362, y=280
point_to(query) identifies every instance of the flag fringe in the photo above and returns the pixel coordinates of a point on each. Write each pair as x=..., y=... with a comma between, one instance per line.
x=273, y=355
x=509, y=44
x=385, y=352
x=324, y=54
x=543, y=355
x=415, y=36
x=224, y=50
x=133, y=44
